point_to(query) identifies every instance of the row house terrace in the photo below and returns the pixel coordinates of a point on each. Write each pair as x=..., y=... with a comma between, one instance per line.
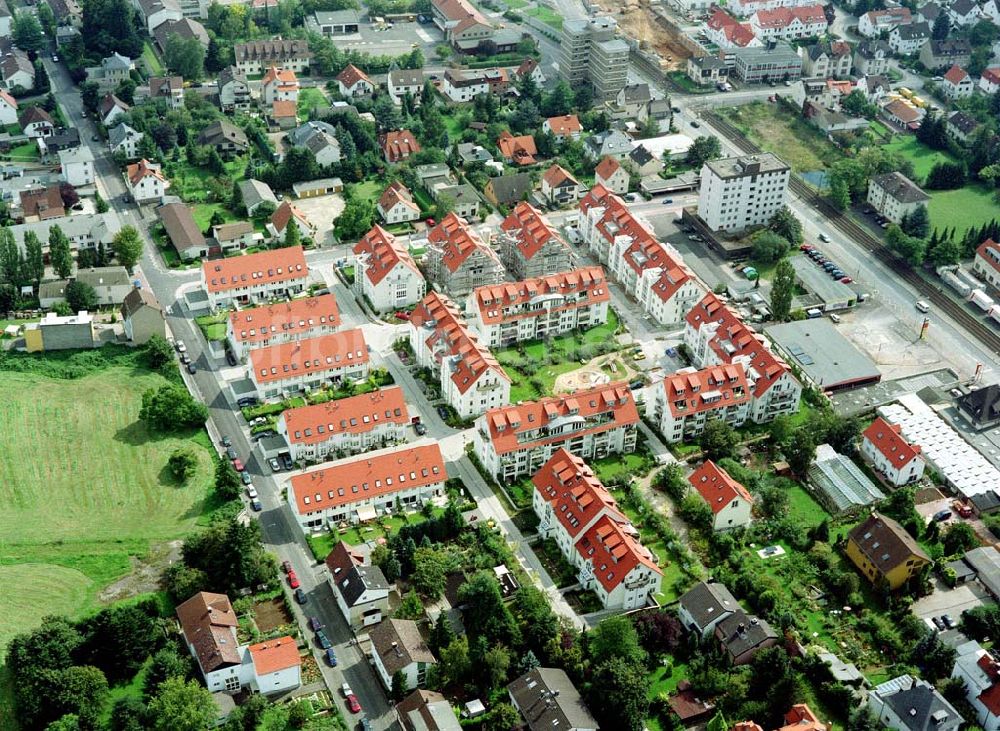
x=651, y=272
x=512, y=441
x=385, y=272
x=302, y=365
x=682, y=403
x=260, y=277
x=282, y=322
x=348, y=425
x=471, y=379
x=571, y=503
x=514, y=312
x=714, y=335
x=457, y=261
x=530, y=247
x=362, y=488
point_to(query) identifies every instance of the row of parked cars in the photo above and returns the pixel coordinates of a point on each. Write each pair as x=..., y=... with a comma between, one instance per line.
x=830, y=267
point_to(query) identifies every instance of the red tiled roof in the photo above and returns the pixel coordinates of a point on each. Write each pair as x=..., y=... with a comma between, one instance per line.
x=207, y=621
x=452, y=337
x=747, y=726
x=284, y=213
x=956, y=75
x=285, y=78
x=710, y=388
x=271, y=656
x=521, y=150
x=717, y=487
x=359, y=414
x=992, y=75
x=645, y=252
x=734, y=338
x=505, y=423
x=567, y=124
x=613, y=552
x=283, y=109
x=460, y=12
x=606, y=168
x=11, y=101
x=297, y=316
x=139, y=170
x=576, y=495
x=739, y=34
x=384, y=253
x=670, y=281
x=557, y=176
x=989, y=251
x=902, y=111
x=991, y=696
x=532, y=231
x=783, y=17
x=591, y=281
x=801, y=718
x=527, y=67
x=44, y=203
x=396, y=193
x=367, y=477
x=264, y=267
x=458, y=241
x=398, y=145
x=888, y=439
x=305, y=357
x=351, y=75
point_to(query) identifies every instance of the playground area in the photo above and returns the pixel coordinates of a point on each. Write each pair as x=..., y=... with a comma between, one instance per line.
x=600, y=370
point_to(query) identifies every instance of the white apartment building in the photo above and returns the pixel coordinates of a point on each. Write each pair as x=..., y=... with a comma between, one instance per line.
x=349, y=425
x=730, y=501
x=260, y=277
x=362, y=488
x=385, y=273
x=715, y=335
x=513, y=312
x=281, y=322
x=785, y=24
x=458, y=260
x=396, y=205
x=530, y=247
x=145, y=182
x=739, y=192
x=980, y=672
x=894, y=195
x=471, y=379
x=683, y=402
x=885, y=448
x=583, y=518
x=512, y=441
x=303, y=365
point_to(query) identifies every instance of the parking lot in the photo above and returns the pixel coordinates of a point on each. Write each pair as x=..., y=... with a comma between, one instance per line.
x=401, y=38
x=321, y=212
x=944, y=600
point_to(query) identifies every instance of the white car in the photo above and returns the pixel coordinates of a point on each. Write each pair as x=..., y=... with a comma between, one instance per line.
x=181, y=347
x=251, y=492
x=346, y=689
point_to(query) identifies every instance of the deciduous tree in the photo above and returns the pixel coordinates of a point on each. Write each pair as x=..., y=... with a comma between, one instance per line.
x=170, y=407
x=182, y=706
x=80, y=296
x=782, y=290
x=127, y=245
x=718, y=439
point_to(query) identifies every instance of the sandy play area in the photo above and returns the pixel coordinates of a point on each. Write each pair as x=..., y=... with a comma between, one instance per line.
x=601, y=370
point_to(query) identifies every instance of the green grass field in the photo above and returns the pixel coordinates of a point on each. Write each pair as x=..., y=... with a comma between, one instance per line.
x=312, y=98
x=547, y=16
x=922, y=157
x=151, y=60
x=774, y=128
x=972, y=205
x=203, y=212
x=83, y=488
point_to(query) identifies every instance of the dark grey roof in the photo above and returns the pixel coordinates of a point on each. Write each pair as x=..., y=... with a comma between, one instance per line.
x=640, y=155
x=63, y=139
x=399, y=643
x=511, y=188
x=870, y=49
x=138, y=298
x=406, y=77
x=982, y=405
x=739, y=633
x=547, y=699
x=985, y=561
x=636, y=93
x=221, y=132
x=951, y=47
x=708, y=62
x=962, y=7
x=964, y=123
x=103, y=276
x=929, y=11
x=913, y=31
x=472, y=152
x=301, y=134
x=119, y=134
x=901, y=188
x=921, y=708
x=986, y=502
x=707, y=602
x=255, y=191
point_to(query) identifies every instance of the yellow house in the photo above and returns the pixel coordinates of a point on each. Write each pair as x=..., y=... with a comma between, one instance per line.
x=884, y=552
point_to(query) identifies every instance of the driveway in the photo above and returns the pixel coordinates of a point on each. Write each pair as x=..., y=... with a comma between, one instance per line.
x=321, y=212
x=944, y=600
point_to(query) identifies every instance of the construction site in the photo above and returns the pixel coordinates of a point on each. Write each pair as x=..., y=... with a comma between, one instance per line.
x=655, y=32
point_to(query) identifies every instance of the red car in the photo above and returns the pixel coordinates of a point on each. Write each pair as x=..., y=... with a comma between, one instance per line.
x=238, y=465
x=431, y=222
x=401, y=315
x=806, y=247
x=352, y=703
x=293, y=580
x=286, y=566
x=846, y=280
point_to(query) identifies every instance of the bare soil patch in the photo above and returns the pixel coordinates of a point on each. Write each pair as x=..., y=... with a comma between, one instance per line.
x=270, y=614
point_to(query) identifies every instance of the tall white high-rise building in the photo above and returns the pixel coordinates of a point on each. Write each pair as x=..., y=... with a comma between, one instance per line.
x=739, y=192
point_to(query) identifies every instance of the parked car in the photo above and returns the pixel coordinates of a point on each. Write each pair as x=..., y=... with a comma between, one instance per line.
x=258, y=420
x=420, y=429
x=667, y=201
x=846, y=280
x=346, y=690
x=273, y=464
x=442, y=412
x=959, y=507
x=231, y=358
x=293, y=580
x=251, y=492
x=322, y=640
x=181, y=347
x=402, y=315
x=246, y=401
x=636, y=385
x=286, y=566
x=695, y=124
x=365, y=724
x=352, y=703
x=806, y=247
x=300, y=596
x=939, y=623
x=824, y=238
x=836, y=273
x=264, y=434
x=245, y=476
x=314, y=624
x=942, y=515
x=948, y=621
x=185, y=359
x=226, y=441
x=231, y=453
x=331, y=657
x=286, y=461
x=256, y=505
x=238, y=465
x=192, y=368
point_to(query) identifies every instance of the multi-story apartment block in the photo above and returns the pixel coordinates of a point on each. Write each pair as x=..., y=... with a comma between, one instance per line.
x=260, y=277
x=385, y=272
x=302, y=365
x=785, y=24
x=471, y=379
x=281, y=322
x=512, y=441
x=464, y=85
x=873, y=23
x=579, y=513
x=894, y=195
x=256, y=57
x=457, y=260
x=766, y=63
x=348, y=425
x=715, y=335
x=648, y=270
x=739, y=192
x=514, y=312
x=590, y=53
x=530, y=247
x=683, y=402
x=362, y=488
x=827, y=59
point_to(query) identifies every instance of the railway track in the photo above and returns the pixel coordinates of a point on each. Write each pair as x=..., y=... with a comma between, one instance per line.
x=978, y=328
